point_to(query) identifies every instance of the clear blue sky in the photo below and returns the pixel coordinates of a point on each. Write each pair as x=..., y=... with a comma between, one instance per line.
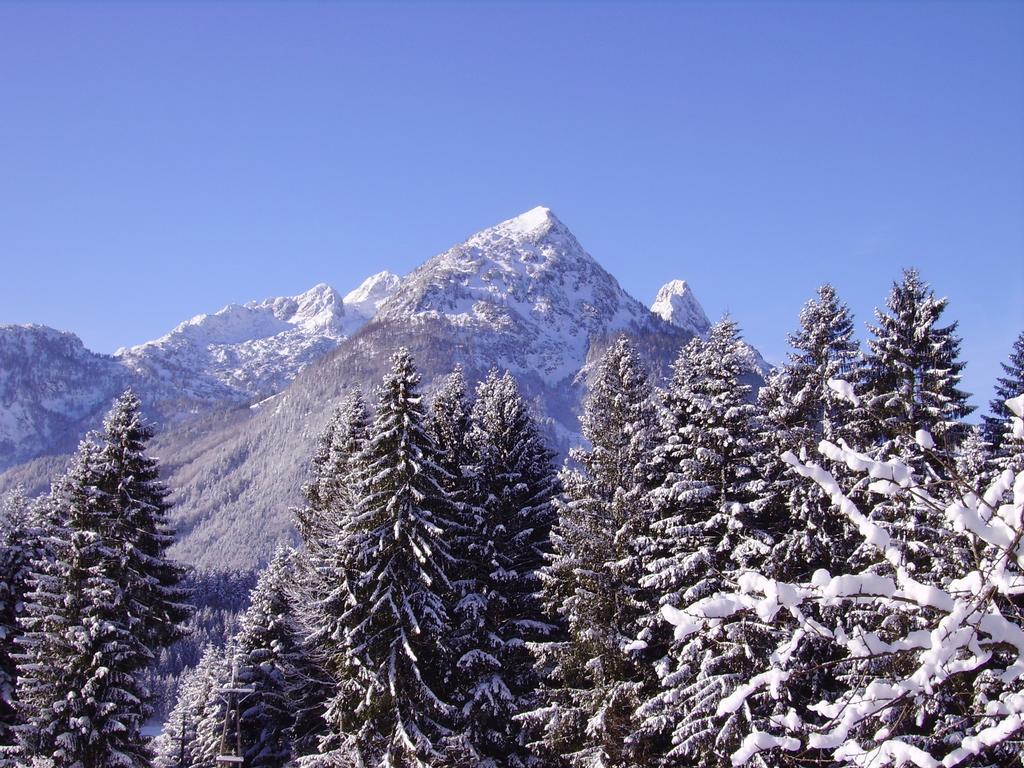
x=157, y=161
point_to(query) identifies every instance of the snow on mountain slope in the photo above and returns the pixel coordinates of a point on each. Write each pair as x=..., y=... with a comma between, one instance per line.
x=677, y=304
x=252, y=351
x=365, y=300
x=522, y=295
x=52, y=389
x=49, y=385
x=526, y=291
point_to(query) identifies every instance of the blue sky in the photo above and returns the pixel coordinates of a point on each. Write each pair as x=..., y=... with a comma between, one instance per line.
x=157, y=161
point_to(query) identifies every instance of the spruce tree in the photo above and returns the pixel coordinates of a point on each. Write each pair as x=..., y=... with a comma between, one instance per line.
x=501, y=545
x=130, y=482
x=21, y=532
x=1011, y=384
x=79, y=686
x=801, y=409
x=272, y=661
x=334, y=485
x=105, y=599
x=594, y=580
x=912, y=370
x=323, y=587
x=711, y=523
x=190, y=737
x=1005, y=447
x=909, y=383
x=395, y=631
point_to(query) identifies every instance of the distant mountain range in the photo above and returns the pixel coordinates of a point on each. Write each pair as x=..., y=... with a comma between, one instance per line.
x=239, y=395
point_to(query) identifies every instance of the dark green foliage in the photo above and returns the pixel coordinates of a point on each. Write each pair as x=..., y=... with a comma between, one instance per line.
x=501, y=547
x=595, y=677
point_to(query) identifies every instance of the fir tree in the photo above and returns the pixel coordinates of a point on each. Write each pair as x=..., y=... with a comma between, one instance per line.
x=502, y=545
x=912, y=370
x=130, y=483
x=711, y=522
x=191, y=736
x=395, y=630
x=79, y=685
x=268, y=653
x=21, y=532
x=594, y=580
x=1011, y=384
x=801, y=409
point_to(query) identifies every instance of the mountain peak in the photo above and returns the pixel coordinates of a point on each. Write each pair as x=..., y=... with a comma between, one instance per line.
x=532, y=220
x=371, y=293
x=677, y=304
x=531, y=226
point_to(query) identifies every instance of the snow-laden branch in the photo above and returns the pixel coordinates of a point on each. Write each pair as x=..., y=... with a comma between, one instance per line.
x=959, y=625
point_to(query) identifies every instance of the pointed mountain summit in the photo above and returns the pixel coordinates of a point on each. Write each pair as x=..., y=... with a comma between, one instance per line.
x=677, y=304
x=527, y=292
x=372, y=292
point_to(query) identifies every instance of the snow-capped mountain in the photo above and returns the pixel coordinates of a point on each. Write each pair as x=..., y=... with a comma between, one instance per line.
x=255, y=383
x=49, y=385
x=524, y=294
x=254, y=350
x=52, y=389
x=365, y=300
x=677, y=304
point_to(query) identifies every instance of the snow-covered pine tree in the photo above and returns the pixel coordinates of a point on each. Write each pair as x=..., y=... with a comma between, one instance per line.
x=191, y=736
x=395, y=631
x=911, y=373
x=334, y=485
x=20, y=544
x=595, y=679
x=711, y=523
x=272, y=661
x=79, y=686
x=129, y=482
x=944, y=683
x=214, y=710
x=501, y=545
x=973, y=460
x=1009, y=385
x=800, y=409
x=322, y=588
x=1007, y=446
x=909, y=382
x=449, y=427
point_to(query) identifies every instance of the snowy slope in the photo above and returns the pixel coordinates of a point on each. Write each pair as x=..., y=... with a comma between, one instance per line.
x=677, y=304
x=50, y=384
x=52, y=389
x=526, y=291
x=252, y=351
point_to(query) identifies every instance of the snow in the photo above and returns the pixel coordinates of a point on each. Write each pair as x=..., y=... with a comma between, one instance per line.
x=529, y=222
x=371, y=294
x=844, y=390
x=677, y=304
